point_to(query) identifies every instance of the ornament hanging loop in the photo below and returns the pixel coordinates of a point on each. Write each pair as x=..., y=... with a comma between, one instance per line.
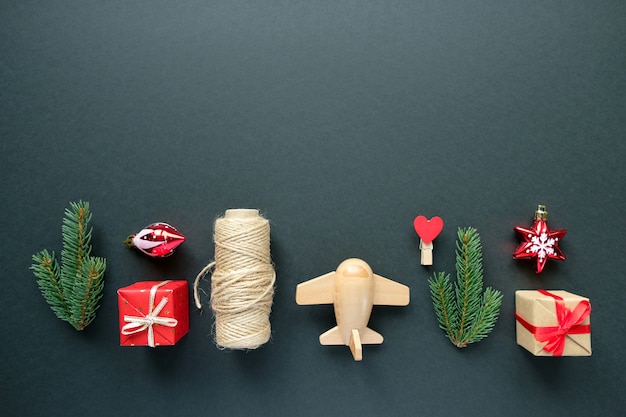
x=129, y=241
x=541, y=213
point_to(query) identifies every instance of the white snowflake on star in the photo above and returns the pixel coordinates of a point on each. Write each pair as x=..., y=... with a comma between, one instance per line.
x=542, y=246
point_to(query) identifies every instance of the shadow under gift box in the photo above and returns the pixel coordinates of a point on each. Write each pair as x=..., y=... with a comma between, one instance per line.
x=553, y=323
x=153, y=313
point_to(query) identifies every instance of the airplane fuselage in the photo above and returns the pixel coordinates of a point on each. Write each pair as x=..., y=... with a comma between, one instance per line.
x=354, y=298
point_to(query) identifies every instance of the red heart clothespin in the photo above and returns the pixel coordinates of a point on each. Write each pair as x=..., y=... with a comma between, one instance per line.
x=427, y=230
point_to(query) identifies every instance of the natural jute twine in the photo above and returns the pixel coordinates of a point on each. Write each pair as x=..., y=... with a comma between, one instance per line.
x=242, y=283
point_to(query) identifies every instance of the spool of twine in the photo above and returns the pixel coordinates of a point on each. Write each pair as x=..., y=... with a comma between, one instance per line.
x=242, y=283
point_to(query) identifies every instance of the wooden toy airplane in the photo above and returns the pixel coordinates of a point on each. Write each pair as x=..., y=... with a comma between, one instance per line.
x=353, y=289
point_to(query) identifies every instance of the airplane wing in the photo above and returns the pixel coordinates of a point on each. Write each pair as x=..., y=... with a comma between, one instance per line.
x=390, y=293
x=318, y=290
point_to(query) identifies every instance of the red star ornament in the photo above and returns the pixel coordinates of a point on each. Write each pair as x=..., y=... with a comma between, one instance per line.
x=539, y=242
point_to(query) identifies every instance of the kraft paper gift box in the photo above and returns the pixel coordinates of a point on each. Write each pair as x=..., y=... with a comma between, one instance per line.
x=553, y=323
x=153, y=313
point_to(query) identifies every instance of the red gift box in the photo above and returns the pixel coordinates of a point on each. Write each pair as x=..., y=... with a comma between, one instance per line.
x=153, y=313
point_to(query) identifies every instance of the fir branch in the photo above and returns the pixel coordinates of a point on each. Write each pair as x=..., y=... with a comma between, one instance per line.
x=487, y=317
x=442, y=294
x=464, y=312
x=76, y=243
x=46, y=268
x=74, y=290
x=469, y=278
x=87, y=292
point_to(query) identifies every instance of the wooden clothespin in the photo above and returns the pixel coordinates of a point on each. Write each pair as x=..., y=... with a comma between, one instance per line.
x=426, y=252
x=427, y=230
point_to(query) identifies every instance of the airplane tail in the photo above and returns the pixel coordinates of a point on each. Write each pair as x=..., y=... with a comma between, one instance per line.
x=371, y=337
x=357, y=340
x=332, y=337
x=356, y=347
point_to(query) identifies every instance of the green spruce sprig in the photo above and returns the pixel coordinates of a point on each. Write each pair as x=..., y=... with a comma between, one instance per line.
x=74, y=289
x=464, y=312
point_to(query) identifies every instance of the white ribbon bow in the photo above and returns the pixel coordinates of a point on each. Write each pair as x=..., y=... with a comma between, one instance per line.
x=138, y=324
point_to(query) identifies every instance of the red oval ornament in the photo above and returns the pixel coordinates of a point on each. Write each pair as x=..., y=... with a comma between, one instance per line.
x=157, y=240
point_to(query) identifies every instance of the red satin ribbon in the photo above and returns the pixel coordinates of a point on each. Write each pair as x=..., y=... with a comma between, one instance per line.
x=568, y=320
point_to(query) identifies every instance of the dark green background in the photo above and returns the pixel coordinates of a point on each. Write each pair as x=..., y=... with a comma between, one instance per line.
x=341, y=121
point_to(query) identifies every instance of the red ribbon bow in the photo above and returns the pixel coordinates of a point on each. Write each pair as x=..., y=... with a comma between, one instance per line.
x=568, y=320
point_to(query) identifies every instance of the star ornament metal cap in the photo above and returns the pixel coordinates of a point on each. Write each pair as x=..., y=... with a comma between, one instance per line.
x=539, y=242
